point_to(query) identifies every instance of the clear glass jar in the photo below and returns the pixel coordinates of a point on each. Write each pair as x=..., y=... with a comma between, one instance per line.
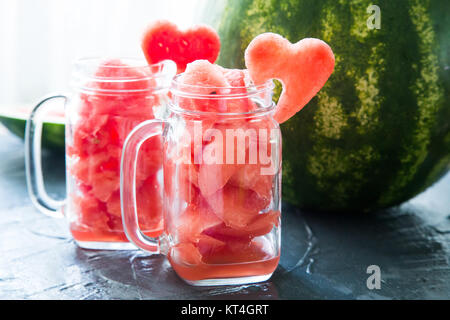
x=110, y=97
x=222, y=184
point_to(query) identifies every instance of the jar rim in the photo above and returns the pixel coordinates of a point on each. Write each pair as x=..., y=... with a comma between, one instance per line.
x=85, y=74
x=211, y=114
x=250, y=91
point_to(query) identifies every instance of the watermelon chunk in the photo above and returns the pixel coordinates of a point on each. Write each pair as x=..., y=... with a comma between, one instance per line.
x=214, y=176
x=94, y=215
x=260, y=225
x=250, y=177
x=186, y=254
x=193, y=221
x=236, y=207
x=303, y=68
x=126, y=77
x=149, y=205
x=239, y=150
x=119, y=89
x=208, y=246
x=163, y=40
x=236, y=78
x=203, y=78
x=239, y=80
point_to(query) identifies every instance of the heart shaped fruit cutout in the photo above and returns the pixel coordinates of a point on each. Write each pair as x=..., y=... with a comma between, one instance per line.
x=303, y=68
x=163, y=40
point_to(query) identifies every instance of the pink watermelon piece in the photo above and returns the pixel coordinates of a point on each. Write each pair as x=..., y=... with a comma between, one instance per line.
x=260, y=225
x=149, y=159
x=303, y=68
x=93, y=212
x=214, y=176
x=119, y=89
x=249, y=177
x=149, y=205
x=113, y=204
x=236, y=78
x=178, y=178
x=239, y=80
x=85, y=169
x=133, y=105
x=257, y=176
x=127, y=77
x=203, y=78
x=208, y=246
x=219, y=159
x=193, y=221
x=163, y=40
x=186, y=254
x=104, y=184
x=236, y=206
x=192, y=142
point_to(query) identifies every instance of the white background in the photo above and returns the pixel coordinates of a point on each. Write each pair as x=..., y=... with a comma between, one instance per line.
x=40, y=39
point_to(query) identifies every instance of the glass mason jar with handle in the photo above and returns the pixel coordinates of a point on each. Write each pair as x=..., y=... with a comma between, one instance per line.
x=110, y=97
x=222, y=184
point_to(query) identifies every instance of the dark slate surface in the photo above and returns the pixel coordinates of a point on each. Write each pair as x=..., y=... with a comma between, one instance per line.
x=324, y=256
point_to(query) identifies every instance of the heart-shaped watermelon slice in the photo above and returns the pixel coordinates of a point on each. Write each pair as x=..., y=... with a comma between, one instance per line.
x=164, y=40
x=302, y=67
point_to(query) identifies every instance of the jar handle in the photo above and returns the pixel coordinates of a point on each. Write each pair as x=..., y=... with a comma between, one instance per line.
x=33, y=164
x=133, y=142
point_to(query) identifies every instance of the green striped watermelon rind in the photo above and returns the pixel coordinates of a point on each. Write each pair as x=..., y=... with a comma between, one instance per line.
x=53, y=130
x=378, y=133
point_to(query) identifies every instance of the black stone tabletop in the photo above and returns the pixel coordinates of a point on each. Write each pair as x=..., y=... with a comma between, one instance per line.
x=324, y=256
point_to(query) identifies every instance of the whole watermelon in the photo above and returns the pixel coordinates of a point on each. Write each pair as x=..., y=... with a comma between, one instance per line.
x=378, y=133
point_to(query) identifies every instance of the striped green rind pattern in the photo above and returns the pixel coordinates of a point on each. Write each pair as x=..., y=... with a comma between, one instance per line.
x=52, y=133
x=378, y=133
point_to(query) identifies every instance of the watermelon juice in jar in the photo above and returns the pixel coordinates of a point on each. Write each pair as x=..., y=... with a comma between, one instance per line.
x=222, y=181
x=110, y=98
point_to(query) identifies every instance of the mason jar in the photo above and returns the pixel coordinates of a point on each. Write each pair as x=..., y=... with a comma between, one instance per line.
x=222, y=184
x=108, y=99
